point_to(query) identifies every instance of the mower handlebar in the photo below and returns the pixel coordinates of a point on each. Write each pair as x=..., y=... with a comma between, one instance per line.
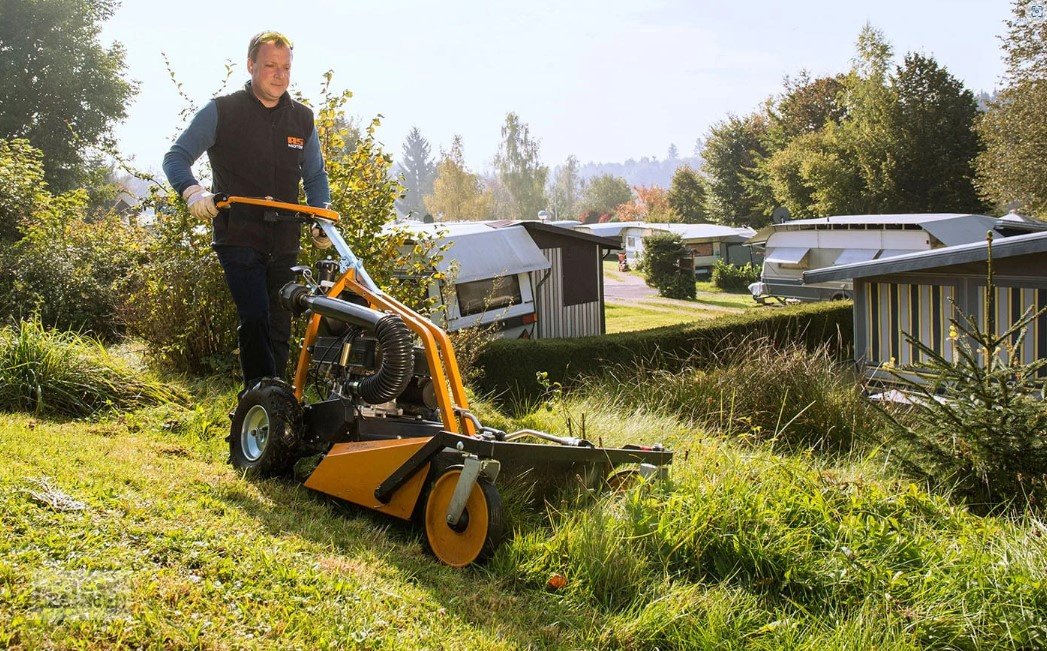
x=222, y=201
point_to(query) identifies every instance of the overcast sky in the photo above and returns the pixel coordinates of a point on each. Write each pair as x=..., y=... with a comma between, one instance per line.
x=604, y=80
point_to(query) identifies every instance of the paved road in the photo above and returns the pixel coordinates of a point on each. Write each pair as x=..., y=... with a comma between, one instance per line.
x=625, y=288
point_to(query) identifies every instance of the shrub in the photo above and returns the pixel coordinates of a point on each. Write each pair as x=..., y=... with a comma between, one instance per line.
x=666, y=266
x=733, y=278
x=56, y=373
x=71, y=271
x=181, y=308
x=510, y=366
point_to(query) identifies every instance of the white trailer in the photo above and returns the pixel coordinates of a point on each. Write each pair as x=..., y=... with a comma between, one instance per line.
x=793, y=247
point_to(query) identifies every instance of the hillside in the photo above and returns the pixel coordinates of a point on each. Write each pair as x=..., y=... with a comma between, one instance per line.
x=132, y=532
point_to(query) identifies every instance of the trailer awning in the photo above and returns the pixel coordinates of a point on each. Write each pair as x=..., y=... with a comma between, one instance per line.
x=786, y=255
x=856, y=255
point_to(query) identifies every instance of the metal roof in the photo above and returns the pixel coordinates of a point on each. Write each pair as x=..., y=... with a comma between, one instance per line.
x=949, y=228
x=690, y=232
x=1004, y=247
x=606, y=242
x=484, y=252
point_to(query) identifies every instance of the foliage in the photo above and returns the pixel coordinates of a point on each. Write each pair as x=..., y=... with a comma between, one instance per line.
x=730, y=156
x=978, y=420
x=687, y=196
x=61, y=373
x=458, y=194
x=666, y=266
x=418, y=171
x=565, y=190
x=63, y=90
x=1010, y=170
x=21, y=186
x=603, y=194
x=509, y=366
x=520, y=170
x=72, y=270
x=733, y=278
x=806, y=106
x=937, y=144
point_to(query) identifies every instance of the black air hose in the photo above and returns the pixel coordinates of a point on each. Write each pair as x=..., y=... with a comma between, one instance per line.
x=397, y=342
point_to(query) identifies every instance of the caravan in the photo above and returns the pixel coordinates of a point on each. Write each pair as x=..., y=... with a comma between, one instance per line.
x=793, y=247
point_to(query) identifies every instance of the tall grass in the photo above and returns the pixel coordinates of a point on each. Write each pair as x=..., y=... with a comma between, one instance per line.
x=58, y=373
x=786, y=393
x=758, y=547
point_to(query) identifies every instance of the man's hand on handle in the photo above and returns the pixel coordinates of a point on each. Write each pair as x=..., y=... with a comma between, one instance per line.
x=200, y=202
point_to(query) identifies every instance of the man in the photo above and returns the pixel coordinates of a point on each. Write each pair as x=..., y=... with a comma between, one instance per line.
x=260, y=143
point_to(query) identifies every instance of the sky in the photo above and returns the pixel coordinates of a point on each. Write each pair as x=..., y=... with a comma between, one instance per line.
x=604, y=80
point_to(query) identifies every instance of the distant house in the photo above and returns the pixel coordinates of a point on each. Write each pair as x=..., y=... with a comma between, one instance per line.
x=794, y=247
x=918, y=293
x=706, y=242
x=570, y=293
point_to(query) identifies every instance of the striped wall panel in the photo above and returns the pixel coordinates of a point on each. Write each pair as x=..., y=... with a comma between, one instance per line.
x=1012, y=304
x=894, y=309
x=555, y=320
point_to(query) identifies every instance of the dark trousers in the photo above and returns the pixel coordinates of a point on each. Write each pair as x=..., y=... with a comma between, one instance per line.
x=254, y=280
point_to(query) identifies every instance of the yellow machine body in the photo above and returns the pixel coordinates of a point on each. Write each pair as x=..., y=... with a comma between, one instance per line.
x=351, y=471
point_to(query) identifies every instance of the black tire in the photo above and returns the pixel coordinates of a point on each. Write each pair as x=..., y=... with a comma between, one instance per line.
x=472, y=542
x=265, y=429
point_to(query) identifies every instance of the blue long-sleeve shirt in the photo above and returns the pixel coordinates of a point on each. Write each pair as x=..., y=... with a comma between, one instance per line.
x=200, y=136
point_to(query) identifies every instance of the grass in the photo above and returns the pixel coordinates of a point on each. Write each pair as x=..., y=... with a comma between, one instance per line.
x=644, y=316
x=130, y=531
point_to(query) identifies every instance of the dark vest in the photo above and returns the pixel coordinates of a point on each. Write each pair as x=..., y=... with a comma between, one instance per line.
x=258, y=152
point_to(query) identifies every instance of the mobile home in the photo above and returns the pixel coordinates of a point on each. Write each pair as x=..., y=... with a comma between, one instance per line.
x=707, y=243
x=793, y=247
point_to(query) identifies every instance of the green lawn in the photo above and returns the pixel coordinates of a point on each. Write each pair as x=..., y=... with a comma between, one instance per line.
x=644, y=315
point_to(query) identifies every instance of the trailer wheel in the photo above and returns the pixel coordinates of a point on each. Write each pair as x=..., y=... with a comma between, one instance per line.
x=480, y=532
x=264, y=428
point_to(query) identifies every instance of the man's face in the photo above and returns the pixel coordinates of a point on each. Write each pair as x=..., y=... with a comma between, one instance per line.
x=270, y=73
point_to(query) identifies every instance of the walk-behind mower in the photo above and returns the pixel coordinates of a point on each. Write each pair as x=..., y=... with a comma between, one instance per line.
x=391, y=420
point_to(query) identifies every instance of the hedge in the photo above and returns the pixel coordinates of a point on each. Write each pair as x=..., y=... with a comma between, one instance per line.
x=508, y=367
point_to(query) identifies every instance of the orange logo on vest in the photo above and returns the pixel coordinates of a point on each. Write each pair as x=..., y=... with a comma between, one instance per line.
x=295, y=143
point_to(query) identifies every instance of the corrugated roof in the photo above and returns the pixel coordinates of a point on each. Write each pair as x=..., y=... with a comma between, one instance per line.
x=941, y=257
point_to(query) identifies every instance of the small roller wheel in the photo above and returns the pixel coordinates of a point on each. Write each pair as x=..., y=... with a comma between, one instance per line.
x=264, y=429
x=480, y=531
x=622, y=481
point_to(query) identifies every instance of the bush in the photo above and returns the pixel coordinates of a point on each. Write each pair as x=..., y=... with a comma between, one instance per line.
x=509, y=367
x=181, y=308
x=55, y=373
x=72, y=272
x=732, y=278
x=666, y=267
x=755, y=389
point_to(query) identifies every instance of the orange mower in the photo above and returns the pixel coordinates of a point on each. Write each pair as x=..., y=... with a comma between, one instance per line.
x=393, y=423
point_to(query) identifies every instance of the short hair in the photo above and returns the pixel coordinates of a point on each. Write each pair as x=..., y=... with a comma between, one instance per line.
x=275, y=38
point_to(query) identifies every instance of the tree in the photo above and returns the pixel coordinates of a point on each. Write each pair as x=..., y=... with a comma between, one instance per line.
x=806, y=106
x=458, y=194
x=602, y=194
x=520, y=170
x=687, y=196
x=730, y=157
x=21, y=187
x=673, y=153
x=564, y=193
x=63, y=91
x=667, y=266
x=418, y=171
x=934, y=128
x=1010, y=170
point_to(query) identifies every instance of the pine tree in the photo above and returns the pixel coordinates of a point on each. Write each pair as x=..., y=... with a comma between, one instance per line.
x=418, y=172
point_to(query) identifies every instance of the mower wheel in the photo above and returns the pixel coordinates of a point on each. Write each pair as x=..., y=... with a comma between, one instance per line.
x=264, y=429
x=480, y=531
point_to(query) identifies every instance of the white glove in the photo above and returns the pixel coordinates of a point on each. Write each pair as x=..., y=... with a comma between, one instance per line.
x=200, y=202
x=320, y=239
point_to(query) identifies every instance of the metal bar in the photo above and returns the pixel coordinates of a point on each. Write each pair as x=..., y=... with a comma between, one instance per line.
x=393, y=482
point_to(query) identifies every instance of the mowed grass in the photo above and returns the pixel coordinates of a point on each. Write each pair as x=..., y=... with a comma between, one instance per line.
x=132, y=532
